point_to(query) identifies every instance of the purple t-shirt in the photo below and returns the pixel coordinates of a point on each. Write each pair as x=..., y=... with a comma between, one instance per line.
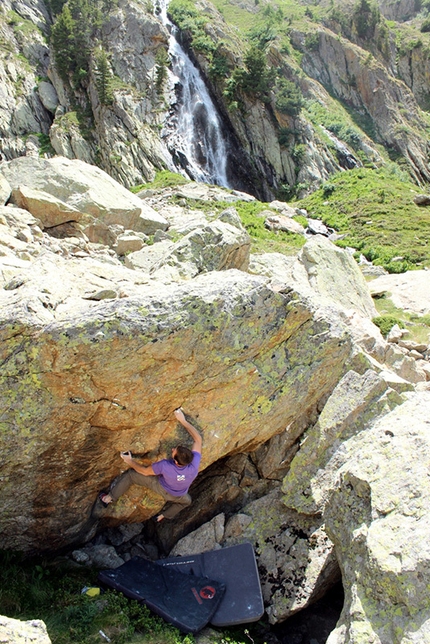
x=176, y=479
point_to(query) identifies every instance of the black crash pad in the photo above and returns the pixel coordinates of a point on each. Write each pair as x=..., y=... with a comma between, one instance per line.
x=186, y=601
x=237, y=569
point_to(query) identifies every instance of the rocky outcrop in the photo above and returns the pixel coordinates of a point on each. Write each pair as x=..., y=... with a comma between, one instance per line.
x=367, y=86
x=312, y=476
x=400, y=11
x=15, y=631
x=332, y=277
x=122, y=135
x=408, y=291
x=216, y=246
x=296, y=560
x=377, y=518
x=83, y=188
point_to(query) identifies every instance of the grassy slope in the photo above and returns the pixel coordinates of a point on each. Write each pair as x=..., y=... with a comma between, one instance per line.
x=375, y=209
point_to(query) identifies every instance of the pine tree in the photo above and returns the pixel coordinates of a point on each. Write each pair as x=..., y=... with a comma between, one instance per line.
x=83, y=14
x=162, y=61
x=63, y=42
x=257, y=77
x=103, y=75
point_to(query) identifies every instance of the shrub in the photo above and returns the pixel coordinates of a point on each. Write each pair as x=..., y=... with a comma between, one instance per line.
x=312, y=41
x=298, y=154
x=219, y=67
x=255, y=79
x=425, y=26
x=386, y=322
x=328, y=189
x=365, y=18
x=261, y=35
x=289, y=99
x=284, y=136
x=161, y=63
x=163, y=179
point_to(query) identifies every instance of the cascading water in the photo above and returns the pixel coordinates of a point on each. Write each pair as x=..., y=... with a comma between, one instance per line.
x=193, y=135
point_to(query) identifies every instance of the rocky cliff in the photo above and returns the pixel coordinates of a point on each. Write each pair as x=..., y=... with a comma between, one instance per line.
x=379, y=76
x=306, y=411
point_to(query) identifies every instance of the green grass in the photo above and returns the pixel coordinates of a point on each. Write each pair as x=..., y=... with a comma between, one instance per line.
x=248, y=15
x=20, y=25
x=417, y=326
x=342, y=121
x=262, y=239
x=387, y=322
x=163, y=179
x=51, y=591
x=376, y=212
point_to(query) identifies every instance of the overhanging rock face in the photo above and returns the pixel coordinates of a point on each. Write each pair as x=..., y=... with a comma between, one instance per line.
x=79, y=386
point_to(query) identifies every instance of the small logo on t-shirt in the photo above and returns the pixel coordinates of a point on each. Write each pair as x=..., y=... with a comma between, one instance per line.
x=180, y=477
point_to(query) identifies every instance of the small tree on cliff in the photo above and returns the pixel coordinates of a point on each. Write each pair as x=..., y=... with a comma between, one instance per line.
x=289, y=99
x=103, y=74
x=254, y=79
x=161, y=64
x=365, y=18
x=62, y=37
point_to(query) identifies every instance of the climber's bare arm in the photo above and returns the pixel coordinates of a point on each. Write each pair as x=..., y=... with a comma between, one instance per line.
x=146, y=471
x=195, y=435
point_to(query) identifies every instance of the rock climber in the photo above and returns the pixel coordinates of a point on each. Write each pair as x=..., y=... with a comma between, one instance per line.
x=170, y=478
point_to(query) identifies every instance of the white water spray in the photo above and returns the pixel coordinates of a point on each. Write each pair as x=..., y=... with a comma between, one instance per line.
x=194, y=134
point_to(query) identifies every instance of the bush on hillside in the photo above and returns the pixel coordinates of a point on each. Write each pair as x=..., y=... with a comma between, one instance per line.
x=425, y=27
x=365, y=18
x=289, y=99
x=386, y=322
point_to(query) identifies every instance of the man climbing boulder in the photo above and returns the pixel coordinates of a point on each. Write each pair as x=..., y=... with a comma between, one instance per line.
x=170, y=478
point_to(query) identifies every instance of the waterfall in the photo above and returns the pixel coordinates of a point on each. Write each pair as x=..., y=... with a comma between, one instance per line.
x=193, y=135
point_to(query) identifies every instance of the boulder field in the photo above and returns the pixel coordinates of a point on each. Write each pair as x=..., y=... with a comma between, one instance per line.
x=315, y=429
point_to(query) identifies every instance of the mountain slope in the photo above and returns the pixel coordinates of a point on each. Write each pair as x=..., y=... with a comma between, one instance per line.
x=303, y=91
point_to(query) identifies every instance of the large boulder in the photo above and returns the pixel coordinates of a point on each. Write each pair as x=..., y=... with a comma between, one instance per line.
x=323, y=270
x=378, y=518
x=85, y=188
x=217, y=246
x=84, y=379
x=48, y=209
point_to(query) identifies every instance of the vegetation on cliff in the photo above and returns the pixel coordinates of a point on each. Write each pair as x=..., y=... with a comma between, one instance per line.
x=375, y=211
